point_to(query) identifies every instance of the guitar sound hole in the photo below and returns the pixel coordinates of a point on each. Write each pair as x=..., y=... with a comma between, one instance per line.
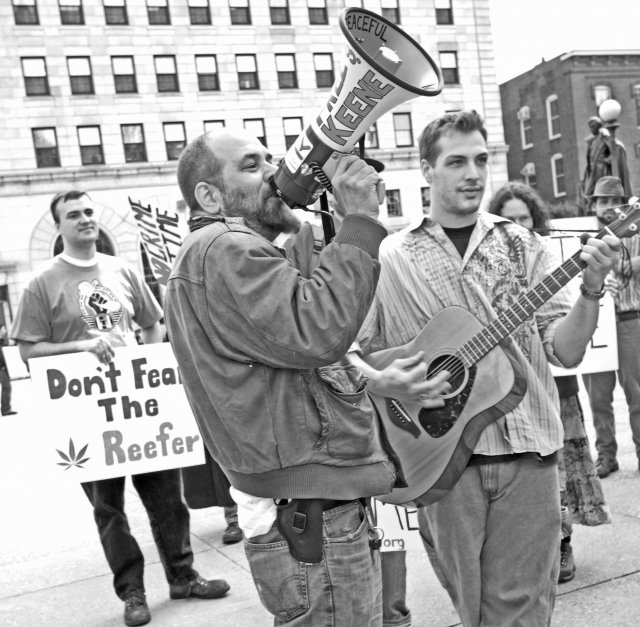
x=455, y=368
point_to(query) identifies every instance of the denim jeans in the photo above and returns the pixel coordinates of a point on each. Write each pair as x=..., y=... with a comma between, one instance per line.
x=395, y=612
x=5, y=395
x=493, y=542
x=344, y=589
x=600, y=386
x=161, y=495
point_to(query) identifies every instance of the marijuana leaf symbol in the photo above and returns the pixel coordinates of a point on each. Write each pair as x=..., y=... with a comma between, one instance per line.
x=71, y=458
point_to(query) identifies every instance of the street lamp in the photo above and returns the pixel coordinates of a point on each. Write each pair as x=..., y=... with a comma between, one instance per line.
x=609, y=112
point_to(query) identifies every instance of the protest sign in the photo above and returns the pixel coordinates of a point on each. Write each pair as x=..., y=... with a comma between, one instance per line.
x=161, y=238
x=400, y=526
x=602, y=351
x=128, y=417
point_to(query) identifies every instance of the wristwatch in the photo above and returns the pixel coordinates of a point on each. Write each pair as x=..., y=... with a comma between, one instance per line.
x=591, y=295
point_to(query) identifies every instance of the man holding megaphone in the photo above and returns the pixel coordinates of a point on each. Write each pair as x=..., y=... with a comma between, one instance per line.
x=261, y=352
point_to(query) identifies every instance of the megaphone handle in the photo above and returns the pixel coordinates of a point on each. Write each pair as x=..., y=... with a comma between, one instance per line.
x=327, y=220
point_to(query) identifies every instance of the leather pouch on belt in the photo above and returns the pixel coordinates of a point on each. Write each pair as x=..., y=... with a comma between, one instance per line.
x=300, y=523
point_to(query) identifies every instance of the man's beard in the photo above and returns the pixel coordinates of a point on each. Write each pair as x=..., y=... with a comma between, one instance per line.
x=267, y=212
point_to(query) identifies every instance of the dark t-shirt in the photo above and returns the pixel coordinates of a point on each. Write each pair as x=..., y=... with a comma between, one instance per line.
x=460, y=237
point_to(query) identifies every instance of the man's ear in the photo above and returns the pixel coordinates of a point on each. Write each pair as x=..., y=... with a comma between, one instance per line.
x=426, y=170
x=209, y=198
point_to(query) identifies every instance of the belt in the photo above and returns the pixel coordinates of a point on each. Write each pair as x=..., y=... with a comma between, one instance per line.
x=480, y=460
x=330, y=504
x=627, y=315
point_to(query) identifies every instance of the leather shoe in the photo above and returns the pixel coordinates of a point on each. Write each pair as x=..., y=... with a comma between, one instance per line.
x=605, y=467
x=136, y=610
x=232, y=534
x=567, y=564
x=10, y=413
x=200, y=588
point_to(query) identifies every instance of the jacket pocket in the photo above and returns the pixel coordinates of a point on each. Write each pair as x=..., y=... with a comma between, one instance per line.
x=347, y=416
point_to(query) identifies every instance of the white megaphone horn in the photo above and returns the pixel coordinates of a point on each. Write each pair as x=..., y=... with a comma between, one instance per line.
x=383, y=67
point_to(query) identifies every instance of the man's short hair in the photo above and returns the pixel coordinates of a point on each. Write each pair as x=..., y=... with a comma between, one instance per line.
x=461, y=121
x=70, y=194
x=197, y=163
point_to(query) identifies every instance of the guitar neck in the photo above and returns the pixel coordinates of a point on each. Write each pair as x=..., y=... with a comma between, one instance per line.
x=526, y=305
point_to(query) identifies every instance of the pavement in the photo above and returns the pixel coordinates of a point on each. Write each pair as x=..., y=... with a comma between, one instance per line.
x=53, y=572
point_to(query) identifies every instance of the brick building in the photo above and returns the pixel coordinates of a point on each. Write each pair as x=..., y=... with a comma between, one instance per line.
x=545, y=112
x=104, y=94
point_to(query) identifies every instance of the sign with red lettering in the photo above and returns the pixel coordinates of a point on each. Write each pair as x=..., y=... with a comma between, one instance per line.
x=129, y=417
x=160, y=237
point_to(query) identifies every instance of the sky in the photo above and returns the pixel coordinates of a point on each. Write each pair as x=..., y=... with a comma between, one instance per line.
x=526, y=31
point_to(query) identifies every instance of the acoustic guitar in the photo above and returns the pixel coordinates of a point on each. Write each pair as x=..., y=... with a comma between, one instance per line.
x=433, y=446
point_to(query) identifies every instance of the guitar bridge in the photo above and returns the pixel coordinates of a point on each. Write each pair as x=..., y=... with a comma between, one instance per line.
x=401, y=418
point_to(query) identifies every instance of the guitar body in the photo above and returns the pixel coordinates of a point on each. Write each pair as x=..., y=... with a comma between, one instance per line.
x=433, y=446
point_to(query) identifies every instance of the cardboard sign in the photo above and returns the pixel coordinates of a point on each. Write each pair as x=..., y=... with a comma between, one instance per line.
x=602, y=351
x=400, y=527
x=98, y=422
x=161, y=238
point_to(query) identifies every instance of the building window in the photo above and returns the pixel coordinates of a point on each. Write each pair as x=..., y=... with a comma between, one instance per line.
x=199, y=12
x=524, y=116
x=213, y=125
x=80, y=75
x=394, y=204
x=133, y=142
x=528, y=174
x=71, y=12
x=240, y=12
x=34, y=70
x=635, y=93
x=207, y=70
x=247, y=71
x=255, y=126
x=166, y=73
x=174, y=139
x=115, y=12
x=323, y=63
x=553, y=117
x=390, y=10
x=158, y=12
x=279, y=10
x=317, y=12
x=449, y=67
x=371, y=137
x=601, y=93
x=402, y=129
x=45, y=143
x=124, y=75
x=557, y=175
x=444, y=12
x=425, y=195
x=292, y=129
x=25, y=12
x=90, y=142
x=286, y=68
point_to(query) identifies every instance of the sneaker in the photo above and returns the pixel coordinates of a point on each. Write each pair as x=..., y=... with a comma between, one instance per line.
x=136, y=610
x=232, y=534
x=605, y=467
x=567, y=565
x=200, y=588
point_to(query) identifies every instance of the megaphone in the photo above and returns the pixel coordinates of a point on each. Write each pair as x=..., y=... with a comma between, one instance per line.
x=383, y=67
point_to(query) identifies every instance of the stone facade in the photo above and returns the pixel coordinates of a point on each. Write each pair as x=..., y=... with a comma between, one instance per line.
x=27, y=234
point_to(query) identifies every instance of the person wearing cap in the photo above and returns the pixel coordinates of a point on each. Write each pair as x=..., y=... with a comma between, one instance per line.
x=599, y=161
x=609, y=194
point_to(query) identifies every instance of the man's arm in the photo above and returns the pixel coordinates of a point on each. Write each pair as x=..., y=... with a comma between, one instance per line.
x=576, y=329
x=99, y=346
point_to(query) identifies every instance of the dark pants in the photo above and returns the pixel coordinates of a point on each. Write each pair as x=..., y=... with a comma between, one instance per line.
x=161, y=495
x=5, y=399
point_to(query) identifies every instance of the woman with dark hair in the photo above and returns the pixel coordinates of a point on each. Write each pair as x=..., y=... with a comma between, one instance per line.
x=581, y=494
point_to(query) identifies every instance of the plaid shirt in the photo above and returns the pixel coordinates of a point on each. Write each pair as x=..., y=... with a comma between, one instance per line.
x=628, y=298
x=422, y=273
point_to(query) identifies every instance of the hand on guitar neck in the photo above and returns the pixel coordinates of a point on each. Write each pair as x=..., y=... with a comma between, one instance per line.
x=405, y=380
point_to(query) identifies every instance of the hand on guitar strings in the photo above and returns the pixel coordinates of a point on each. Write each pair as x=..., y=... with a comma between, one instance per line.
x=405, y=379
x=600, y=255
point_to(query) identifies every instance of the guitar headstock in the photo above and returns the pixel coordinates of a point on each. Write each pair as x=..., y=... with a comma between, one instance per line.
x=627, y=222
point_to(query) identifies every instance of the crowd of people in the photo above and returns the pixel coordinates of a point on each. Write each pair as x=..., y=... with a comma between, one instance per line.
x=273, y=343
